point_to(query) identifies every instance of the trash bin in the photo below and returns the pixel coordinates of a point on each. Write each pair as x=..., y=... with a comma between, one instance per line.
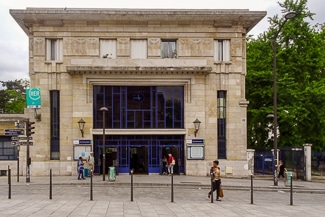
x=86, y=172
x=289, y=178
x=112, y=175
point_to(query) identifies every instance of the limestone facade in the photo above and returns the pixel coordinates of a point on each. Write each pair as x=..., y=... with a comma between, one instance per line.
x=81, y=67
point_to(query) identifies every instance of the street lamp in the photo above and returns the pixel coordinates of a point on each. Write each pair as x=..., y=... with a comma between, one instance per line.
x=103, y=109
x=196, y=126
x=81, y=124
x=287, y=16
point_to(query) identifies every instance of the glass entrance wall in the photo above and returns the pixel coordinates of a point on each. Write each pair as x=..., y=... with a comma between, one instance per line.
x=136, y=107
x=152, y=146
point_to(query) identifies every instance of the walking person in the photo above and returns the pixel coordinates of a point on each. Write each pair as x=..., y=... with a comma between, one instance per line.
x=80, y=167
x=215, y=179
x=171, y=164
x=281, y=169
x=91, y=161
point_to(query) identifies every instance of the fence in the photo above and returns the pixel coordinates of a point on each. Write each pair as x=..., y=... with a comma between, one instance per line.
x=293, y=159
x=318, y=163
x=263, y=163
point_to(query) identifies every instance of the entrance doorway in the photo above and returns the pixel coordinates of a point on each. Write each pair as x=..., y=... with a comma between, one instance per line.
x=111, y=159
x=165, y=151
x=139, y=159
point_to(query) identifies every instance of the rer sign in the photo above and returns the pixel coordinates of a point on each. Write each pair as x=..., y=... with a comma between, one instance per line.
x=33, y=97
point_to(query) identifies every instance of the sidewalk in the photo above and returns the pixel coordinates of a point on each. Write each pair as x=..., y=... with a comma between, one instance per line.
x=183, y=181
x=152, y=197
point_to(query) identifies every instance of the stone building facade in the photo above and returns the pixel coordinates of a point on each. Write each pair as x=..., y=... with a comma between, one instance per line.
x=156, y=71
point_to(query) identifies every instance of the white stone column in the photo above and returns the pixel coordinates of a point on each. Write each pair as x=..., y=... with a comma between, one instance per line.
x=307, y=153
x=250, y=161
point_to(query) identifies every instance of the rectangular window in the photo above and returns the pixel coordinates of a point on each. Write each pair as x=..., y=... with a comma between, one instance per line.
x=54, y=48
x=221, y=107
x=137, y=107
x=55, y=124
x=138, y=49
x=107, y=48
x=221, y=50
x=168, y=49
x=7, y=151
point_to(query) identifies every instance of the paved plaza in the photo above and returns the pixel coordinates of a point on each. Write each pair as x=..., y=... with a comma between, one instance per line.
x=152, y=197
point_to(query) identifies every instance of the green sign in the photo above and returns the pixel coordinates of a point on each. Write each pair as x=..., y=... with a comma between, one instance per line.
x=33, y=98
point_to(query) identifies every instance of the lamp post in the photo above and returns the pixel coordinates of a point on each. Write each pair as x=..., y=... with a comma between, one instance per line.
x=18, y=149
x=103, y=109
x=287, y=16
x=81, y=124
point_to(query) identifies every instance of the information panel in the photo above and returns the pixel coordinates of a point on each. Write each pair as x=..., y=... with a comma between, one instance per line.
x=81, y=150
x=195, y=151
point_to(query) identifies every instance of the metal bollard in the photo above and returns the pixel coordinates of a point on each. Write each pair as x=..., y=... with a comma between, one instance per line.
x=172, y=188
x=291, y=195
x=211, y=196
x=252, y=189
x=91, y=185
x=131, y=185
x=50, y=184
x=9, y=182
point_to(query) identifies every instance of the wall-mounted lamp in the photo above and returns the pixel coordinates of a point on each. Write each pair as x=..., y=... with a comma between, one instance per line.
x=38, y=117
x=81, y=123
x=196, y=126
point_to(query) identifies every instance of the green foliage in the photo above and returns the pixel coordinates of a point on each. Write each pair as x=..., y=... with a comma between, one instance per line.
x=12, y=97
x=300, y=81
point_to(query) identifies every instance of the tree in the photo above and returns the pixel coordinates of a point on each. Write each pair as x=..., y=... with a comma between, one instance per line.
x=300, y=83
x=12, y=97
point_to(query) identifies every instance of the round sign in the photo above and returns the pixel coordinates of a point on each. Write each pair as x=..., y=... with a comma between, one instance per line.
x=34, y=93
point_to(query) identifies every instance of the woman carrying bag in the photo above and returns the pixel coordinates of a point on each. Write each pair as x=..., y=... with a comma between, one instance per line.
x=215, y=179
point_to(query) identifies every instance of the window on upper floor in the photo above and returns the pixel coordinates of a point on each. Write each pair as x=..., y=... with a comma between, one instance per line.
x=54, y=49
x=221, y=50
x=138, y=49
x=107, y=48
x=168, y=49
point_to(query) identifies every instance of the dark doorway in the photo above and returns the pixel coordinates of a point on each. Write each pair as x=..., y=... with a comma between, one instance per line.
x=111, y=159
x=139, y=159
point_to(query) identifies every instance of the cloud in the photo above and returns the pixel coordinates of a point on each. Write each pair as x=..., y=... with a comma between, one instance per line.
x=13, y=48
x=14, y=42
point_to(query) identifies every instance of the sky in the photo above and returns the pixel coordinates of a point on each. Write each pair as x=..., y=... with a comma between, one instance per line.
x=14, y=42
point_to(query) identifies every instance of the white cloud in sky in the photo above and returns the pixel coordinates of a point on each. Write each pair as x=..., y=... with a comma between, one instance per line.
x=14, y=42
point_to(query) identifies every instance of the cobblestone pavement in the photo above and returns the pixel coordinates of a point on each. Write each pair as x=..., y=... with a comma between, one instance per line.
x=74, y=200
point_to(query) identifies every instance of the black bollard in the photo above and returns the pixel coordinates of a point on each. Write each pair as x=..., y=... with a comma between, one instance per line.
x=172, y=188
x=50, y=184
x=211, y=195
x=9, y=182
x=252, y=189
x=291, y=196
x=91, y=185
x=131, y=185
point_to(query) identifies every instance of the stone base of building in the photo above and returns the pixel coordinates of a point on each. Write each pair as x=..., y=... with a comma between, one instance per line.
x=69, y=168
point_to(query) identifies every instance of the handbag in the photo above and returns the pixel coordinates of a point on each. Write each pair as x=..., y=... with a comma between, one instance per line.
x=221, y=192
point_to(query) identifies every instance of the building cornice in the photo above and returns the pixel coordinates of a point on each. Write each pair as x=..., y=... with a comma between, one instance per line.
x=28, y=17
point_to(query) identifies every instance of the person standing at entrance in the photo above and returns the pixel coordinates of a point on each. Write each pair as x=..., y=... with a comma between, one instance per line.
x=215, y=179
x=171, y=163
x=164, y=165
x=91, y=161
